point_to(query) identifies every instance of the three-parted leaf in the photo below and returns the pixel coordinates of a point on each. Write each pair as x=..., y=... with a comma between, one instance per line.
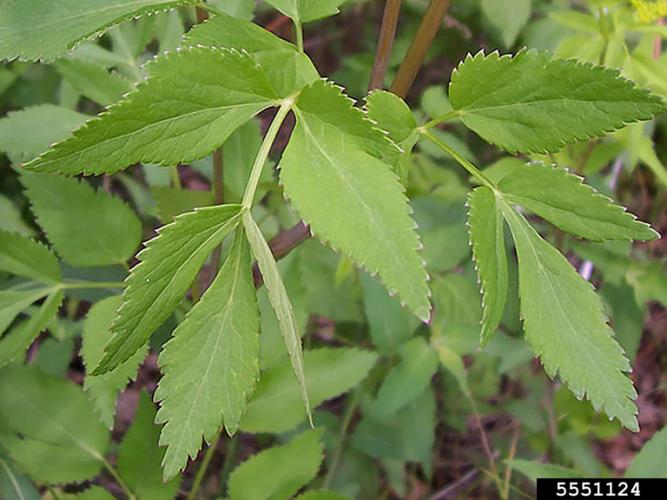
x=307, y=10
x=280, y=303
x=276, y=406
x=334, y=178
x=156, y=286
x=290, y=69
x=565, y=324
x=565, y=201
x=279, y=472
x=193, y=100
x=48, y=417
x=487, y=238
x=106, y=231
x=211, y=364
x=534, y=103
x=46, y=29
x=24, y=257
x=103, y=389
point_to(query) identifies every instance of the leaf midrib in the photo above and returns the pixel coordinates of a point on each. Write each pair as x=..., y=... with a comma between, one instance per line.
x=227, y=314
x=366, y=207
x=44, y=160
x=545, y=274
x=145, y=311
x=479, y=110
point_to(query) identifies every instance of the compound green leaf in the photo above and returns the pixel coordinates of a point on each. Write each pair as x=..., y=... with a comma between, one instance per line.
x=192, y=101
x=564, y=200
x=26, y=133
x=24, y=257
x=332, y=165
x=651, y=461
x=103, y=389
x=487, y=238
x=49, y=417
x=46, y=29
x=290, y=69
x=211, y=365
x=307, y=10
x=156, y=286
x=408, y=379
x=106, y=230
x=139, y=456
x=276, y=405
x=280, y=302
x=283, y=470
x=534, y=103
x=17, y=341
x=565, y=324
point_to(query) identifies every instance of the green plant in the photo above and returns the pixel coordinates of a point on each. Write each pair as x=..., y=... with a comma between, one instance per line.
x=345, y=171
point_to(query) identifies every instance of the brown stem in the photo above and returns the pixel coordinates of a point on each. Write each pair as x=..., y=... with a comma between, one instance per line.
x=657, y=44
x=392, y=11
x=508, y=470
x=414, y=59
x=202, y=15
x=453, y=490
x=218, y=179
x=282, y=244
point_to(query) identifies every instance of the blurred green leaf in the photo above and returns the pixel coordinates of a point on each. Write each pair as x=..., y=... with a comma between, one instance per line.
x=276, y=407
x=651, y=461
x=283, y=470
x=139, y=456
x=26, y=133
x=104, y=389
x=48, y=417
x=407, y=380
x=106, y=231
